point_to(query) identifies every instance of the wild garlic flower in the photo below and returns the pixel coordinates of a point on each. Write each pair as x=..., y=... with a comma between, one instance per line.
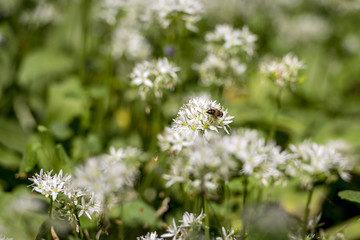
x=108, y=10
x=47, y=185
x=201, y=166
x=315, y=162
x=173, y=140
x=169, y=11
x=201, y=115
x=226, y=235
x=43, y=13
x=228, y=49
x=150, y=236
x=284, y=72
x=153, y=77
x=255, y=157
x=128, y=42
x=188, y=227
x=227, y=40
x=220, y=71
x=67, y=198
x=107, y=175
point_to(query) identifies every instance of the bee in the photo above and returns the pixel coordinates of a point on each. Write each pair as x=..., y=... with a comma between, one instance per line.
x=215, y=112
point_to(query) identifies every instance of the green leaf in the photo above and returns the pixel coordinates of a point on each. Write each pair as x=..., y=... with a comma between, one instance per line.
x=12, y=135
x=8, y=159
x=138, y=213
x=350, y=195
x=66, y=101
x=30, y=157
x=44, y=63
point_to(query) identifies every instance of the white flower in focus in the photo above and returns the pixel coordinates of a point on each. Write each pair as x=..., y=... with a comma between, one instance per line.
x=155, y=76
x=173, y=231
x=284, y=72
x=226, y=236
x=168, y=11
x=88, y=208
x=194, y=117
x=49, y=185
x=190, y=220
x=150, y=236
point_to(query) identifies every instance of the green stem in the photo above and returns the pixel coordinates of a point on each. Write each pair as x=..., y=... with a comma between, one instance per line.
x=85, y=28
x=307, y=212
x=274, y=123
x=50, y=217
x=121, y=227
x=227, y=204
x=244, y=208
x=207, y=218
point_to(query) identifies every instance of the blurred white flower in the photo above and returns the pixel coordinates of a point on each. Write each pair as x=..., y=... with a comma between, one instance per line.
x=155, y=76
x=315, y=162
x=227, y=40
x=174, y=140
x=310, y=28
x=168, y=11
x=128, y=42
x=197, y=116
x=107, y=175
x=109, y=9
x=43, y=13
x=5, y=238
x=150, y=236
x=227, y=49
x=284, y=72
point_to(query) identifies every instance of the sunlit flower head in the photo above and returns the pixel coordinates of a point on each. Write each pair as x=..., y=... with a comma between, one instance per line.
x=48, y=185
x=150, y=236
x=284, y=72
x=153, y=77
x=201, y=115
x=314, y=162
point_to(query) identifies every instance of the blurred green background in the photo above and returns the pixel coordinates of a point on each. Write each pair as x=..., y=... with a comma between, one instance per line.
x=56, y=72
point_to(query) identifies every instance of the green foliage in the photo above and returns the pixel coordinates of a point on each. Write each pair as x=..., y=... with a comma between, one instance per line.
x=350, y=195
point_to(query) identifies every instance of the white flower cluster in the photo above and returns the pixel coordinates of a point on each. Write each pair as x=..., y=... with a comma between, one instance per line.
x=168, y=11
x=109, y=9
x=314, y=162
x=154, y=76
x=174, y=140
x=201, y=166
x=227, y=40
x=190, y=224
x=255, y=157
x=227, y=235
x=128, y=42
x=227, y=50
x=62, y=191
x=43, y=13
x=150, y=236
x=201, y=115
x=284, y=72
x=189, y=227
x=108, y=175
